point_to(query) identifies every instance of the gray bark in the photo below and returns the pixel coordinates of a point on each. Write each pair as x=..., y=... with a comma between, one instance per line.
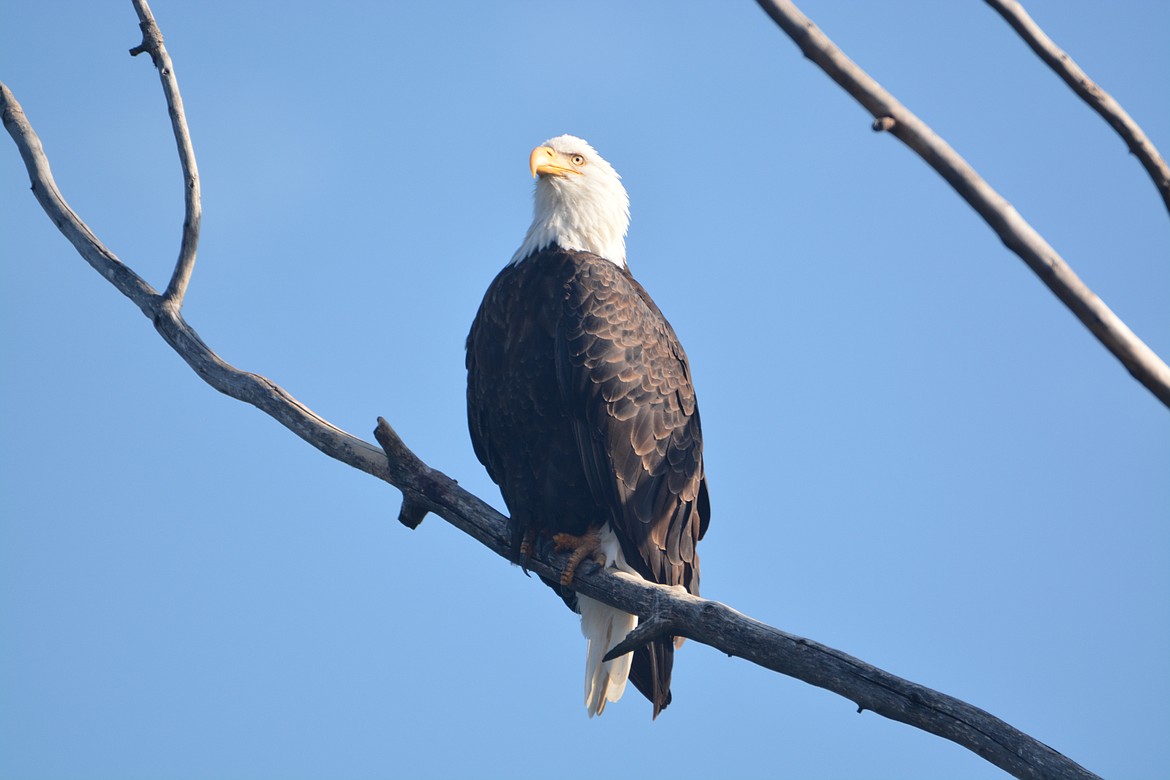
x=1020, y=237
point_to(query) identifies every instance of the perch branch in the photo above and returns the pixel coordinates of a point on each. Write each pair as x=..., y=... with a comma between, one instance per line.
x=1098, y=99
x=152, y=44
x=425, y=489
x=890, y=115
x=645, y=633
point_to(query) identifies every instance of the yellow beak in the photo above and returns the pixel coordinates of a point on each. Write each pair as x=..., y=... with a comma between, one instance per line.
x=545, y=160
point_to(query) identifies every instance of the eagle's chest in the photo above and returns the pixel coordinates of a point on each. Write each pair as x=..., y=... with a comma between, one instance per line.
x=521, y=420
x=517, y=346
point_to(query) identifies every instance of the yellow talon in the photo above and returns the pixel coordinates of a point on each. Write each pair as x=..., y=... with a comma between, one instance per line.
x=581, y=547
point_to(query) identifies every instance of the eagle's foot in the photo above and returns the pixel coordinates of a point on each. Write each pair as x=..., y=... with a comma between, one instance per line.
x=526, y=542
x=582, y=548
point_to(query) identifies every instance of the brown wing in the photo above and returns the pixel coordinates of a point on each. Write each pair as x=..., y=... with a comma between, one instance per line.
x=625, y=378
x=517, y=418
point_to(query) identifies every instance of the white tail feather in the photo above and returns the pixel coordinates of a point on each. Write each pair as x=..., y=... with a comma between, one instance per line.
x=604, y=627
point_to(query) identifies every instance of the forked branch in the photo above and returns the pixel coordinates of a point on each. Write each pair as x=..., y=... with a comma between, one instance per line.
x=152, y=44
x=890, y=115
x=427, y=490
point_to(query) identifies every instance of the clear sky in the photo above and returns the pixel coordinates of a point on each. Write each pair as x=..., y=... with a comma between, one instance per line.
x=916, y=454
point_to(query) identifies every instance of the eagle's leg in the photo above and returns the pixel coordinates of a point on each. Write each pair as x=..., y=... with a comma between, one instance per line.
x=582, y=547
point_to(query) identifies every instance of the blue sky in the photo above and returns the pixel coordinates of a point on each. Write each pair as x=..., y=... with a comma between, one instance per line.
x=916, y=454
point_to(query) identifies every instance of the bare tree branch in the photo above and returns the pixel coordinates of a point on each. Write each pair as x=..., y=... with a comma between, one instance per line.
x=1098, y=99
x=152, y=43
x=425, y=489
x=890, y=115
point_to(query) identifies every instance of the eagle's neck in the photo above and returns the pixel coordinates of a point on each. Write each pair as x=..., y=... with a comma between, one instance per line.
x=579, y=213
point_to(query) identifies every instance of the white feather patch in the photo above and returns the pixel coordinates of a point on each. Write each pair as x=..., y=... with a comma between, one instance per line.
x=588, y=212
x=604, y=627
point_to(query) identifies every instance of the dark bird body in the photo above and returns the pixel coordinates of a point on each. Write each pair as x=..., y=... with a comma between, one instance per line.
x=581, y=407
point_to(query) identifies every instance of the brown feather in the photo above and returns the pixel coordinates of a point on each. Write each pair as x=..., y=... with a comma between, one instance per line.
x=580, y=405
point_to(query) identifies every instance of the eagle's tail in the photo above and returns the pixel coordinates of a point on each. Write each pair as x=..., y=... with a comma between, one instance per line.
x=650, y=671
x=603, y=627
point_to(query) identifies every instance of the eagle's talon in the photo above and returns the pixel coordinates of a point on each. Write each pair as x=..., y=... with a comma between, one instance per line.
x=594, y=565
x=526, y=543
x=546, y=547
x=583, y=548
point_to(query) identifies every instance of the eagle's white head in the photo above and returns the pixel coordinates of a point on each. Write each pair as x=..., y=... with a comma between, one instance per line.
x=580, y=202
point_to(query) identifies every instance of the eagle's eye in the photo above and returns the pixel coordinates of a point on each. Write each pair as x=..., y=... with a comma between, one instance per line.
x=577, y=159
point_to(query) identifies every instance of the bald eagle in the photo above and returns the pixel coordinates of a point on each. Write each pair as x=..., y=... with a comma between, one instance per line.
x=580, y=405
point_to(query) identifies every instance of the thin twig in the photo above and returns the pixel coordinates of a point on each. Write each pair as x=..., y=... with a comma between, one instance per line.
x=889, y=114
x=1098, y=99
x=152, y=43
x=645, y=633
